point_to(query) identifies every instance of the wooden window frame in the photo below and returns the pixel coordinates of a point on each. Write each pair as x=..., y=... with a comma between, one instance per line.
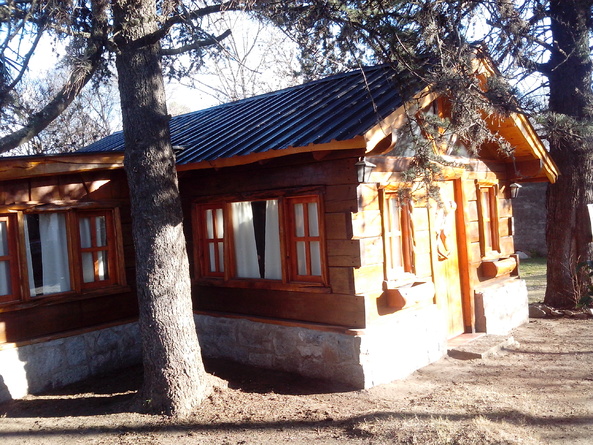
x=291, y=280
x=12, y=258
x=110, y=248
x=307, y=238
x=488, y=218
x=407, y=254
x=201, y=256
x=114, y=249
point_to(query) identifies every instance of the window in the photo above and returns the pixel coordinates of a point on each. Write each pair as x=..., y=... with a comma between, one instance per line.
x=305, y=239
x=46, y=245
x=397, y=236
x=64, y=251
x=96, y=247
x=488, y=219
x=276, y=239
x=213, y=241
x=9, y=289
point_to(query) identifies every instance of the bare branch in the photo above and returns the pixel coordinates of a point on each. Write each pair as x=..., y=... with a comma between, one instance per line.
x=196, y=45
x=80, y=76
x=177, y=19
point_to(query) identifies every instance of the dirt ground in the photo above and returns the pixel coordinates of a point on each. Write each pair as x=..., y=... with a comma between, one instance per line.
x=539, y=391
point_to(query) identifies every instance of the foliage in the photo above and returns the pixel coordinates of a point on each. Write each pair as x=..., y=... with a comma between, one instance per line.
x=585, y=269
x=542, y=52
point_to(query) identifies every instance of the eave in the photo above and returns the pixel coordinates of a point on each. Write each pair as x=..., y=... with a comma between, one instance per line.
x=354, y=143
x=50, y=165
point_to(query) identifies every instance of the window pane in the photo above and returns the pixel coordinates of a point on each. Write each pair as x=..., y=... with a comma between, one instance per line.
x=256, y=235
x=246, y=261
x=5, y=278
x=313, y=219
x=209, y=224
x=301, y=258
x=102, y=265
x=394, y=217
x=273, y=258
x=85, y=233
x=315, y=259
x=221, y=257
x=485, y=204
x=47, y=253
x=100, y=231
x=88, y=267
x=219, y=223
x=299, y=222
x=212, y=256
x=3, y=238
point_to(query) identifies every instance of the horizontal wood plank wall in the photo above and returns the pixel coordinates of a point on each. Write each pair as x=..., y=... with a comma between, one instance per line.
x=497, y=173
x=47, y=316
x=335, y=177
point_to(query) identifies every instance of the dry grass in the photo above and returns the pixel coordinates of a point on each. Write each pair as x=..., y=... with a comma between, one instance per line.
x=440, y=431
x=533, y=271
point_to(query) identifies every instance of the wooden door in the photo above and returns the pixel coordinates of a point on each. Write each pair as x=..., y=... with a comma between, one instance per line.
x=445, y=255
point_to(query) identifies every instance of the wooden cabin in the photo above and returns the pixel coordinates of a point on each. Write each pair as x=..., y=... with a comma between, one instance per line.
x=310, y=251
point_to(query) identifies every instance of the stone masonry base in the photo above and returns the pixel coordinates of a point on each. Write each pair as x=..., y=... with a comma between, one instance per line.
x=501, y=307
x=387, y=351
x=52, y=364
x=391, y=349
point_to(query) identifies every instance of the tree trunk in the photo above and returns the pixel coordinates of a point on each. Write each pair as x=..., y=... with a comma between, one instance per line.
x=174, y=378
x=568, y=228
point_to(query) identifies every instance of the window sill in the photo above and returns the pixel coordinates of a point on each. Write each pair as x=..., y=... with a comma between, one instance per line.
x=63, y=298
x=265, y=285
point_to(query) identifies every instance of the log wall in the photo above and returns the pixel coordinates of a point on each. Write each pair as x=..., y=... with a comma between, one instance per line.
x=48, y=316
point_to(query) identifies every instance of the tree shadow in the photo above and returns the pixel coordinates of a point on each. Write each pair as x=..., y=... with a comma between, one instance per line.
x=115, y=392
x=349, y=425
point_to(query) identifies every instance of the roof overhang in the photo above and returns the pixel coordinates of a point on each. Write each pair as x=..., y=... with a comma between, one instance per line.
x=529, y=162
x=23, y=167
x=357, y=142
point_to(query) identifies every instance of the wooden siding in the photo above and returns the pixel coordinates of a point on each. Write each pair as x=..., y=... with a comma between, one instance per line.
x=51, y=315
x=338, y=302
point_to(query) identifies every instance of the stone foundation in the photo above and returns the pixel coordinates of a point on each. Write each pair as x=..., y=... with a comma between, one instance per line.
x=501, y=307
x=389, y=350
x=52, y=364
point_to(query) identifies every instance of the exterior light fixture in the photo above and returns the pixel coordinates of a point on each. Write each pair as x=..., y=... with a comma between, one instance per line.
x=364, y=169
x=515, y=189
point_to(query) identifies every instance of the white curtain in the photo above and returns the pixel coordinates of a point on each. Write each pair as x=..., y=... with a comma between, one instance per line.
x=88, y=266
x=244, y=237
x=273, y=261
x=4, y=265
x=54, y=255
x=33, y=290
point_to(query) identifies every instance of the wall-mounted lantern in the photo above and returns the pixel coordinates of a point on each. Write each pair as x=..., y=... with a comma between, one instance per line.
x=515, y=189
x=364, y=169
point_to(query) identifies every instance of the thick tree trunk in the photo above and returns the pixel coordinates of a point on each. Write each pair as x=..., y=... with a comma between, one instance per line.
x=568, y=228
x=174, y=377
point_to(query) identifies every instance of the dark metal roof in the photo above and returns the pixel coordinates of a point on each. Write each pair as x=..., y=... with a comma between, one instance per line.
x=338, y=108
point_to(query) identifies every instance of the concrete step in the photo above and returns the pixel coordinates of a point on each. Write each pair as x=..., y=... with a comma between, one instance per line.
x=477, y=346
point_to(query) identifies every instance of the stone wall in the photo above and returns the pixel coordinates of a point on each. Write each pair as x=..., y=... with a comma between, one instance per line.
x=501, y=307
x=52, y=364
x=389, y=350
x=529, y=210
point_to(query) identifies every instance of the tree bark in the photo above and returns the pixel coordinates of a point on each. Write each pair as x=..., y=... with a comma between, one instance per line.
x=568, y=227
x=174, y=378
